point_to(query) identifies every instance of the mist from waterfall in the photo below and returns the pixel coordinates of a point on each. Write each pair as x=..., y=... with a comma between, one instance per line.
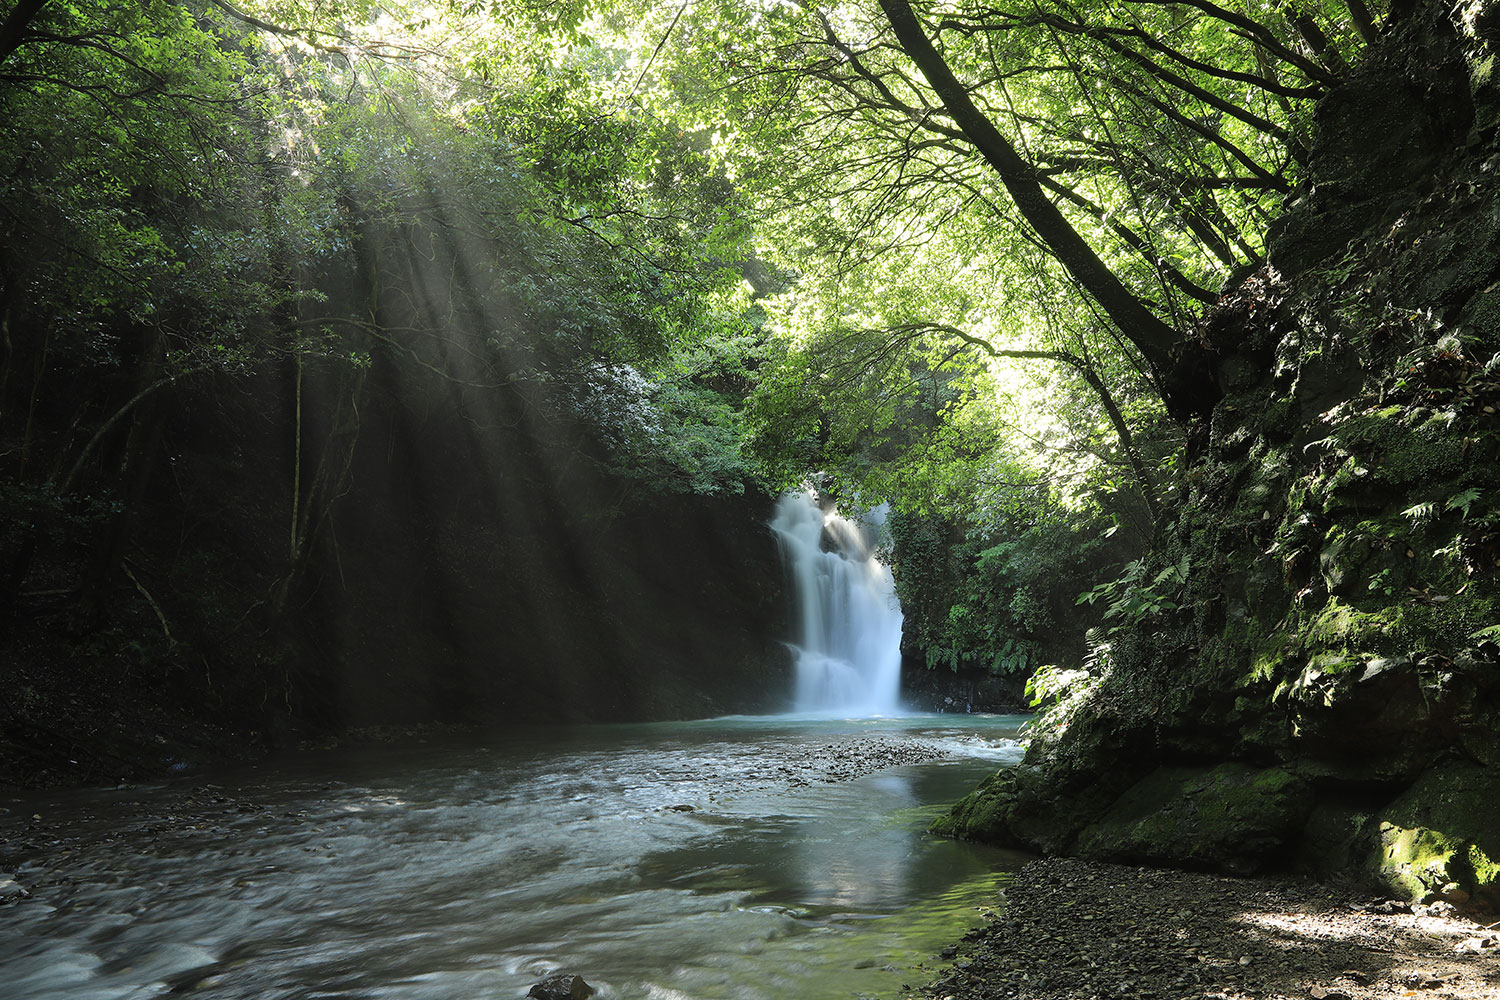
x=848, y=618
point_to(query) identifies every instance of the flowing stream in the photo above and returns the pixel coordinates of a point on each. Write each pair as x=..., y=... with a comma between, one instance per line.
x=720, y=859
x=849, y=621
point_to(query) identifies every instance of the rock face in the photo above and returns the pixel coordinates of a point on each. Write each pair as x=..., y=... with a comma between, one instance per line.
x=961, y=691
x=1442, y=836
x=1334, y=659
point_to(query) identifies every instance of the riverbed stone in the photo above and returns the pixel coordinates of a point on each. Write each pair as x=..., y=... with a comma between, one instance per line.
x=562, y=986
x=1233, y=817
x=1440, y=834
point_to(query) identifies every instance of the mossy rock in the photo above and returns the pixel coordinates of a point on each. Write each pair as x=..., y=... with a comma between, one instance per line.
x=1393, y=454
x=983, y=813
x=1019, y=808
x=1044, y=803
x=1442, y=834
x=1232, y=817
x=1341, y=639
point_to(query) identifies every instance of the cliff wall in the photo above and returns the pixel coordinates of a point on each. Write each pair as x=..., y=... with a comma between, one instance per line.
x=1328, y=696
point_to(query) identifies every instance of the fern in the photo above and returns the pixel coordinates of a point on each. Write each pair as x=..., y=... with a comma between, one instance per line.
x=1420, y=512
x=1463, y=501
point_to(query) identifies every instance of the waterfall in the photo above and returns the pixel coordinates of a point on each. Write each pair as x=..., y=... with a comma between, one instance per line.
x=849, y=642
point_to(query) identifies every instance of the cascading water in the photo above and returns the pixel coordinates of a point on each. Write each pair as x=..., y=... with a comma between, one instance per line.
x=849, y=647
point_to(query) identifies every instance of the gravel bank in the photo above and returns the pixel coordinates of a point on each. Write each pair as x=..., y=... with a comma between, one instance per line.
x=1075, y=930
x=847, y=759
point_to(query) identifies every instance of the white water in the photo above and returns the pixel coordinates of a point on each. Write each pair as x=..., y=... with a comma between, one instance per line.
x=849, y=639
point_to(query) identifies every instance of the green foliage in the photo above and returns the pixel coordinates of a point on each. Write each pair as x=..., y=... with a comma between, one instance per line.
x=1058, y=694
x=649, y=234
x=1463, y=500
x=1131, y=598
x=297, y=211
x=995, y=590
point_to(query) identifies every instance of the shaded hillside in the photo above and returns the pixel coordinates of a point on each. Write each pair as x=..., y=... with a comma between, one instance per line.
x=463, y=572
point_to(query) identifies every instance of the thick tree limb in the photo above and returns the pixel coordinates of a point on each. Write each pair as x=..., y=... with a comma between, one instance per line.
x=1317, y=41
x=13, y=28
x=1137, y=243
x=1154, y=338
x=1363, y=23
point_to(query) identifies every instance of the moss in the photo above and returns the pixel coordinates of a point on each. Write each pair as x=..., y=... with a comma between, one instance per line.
x=1415, y=861
x=1444, y=829
x=1339, y=631
x=1335, y=662
x=1280, y=413
x=1228, y=817
x=1394, y=453
x=1482, y=869
x=980, y=815
x=1268, y=662
x=1341, y=626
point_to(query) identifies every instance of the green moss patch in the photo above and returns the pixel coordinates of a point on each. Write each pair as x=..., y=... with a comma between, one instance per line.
x=982, y=814
x=1442, y=833
x=1399, y=454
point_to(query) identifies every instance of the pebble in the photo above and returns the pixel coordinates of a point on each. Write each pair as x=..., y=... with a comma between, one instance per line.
x=1077, y=930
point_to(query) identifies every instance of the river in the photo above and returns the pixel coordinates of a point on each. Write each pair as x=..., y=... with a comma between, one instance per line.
x=737, y=858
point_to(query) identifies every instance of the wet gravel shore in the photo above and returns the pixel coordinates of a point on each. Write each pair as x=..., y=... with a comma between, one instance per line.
x=848, y=759
x=1076, y=930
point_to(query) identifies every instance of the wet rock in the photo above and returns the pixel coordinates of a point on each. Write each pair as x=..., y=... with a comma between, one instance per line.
x=561, y=986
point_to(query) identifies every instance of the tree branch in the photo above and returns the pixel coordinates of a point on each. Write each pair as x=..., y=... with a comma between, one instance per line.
x=13, y=28
x=1088, y=374
x=1154, y=338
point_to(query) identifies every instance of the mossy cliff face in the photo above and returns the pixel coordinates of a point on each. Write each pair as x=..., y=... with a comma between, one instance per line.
x=1341, y=522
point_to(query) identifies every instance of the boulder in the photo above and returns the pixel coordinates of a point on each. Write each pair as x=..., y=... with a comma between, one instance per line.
x=1442, y=834
x=1233, y=817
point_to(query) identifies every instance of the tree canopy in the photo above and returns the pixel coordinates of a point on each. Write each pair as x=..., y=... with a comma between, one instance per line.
x=944, y=253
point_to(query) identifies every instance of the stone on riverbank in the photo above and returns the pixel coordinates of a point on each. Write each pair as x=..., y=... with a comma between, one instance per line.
x=562, y=986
